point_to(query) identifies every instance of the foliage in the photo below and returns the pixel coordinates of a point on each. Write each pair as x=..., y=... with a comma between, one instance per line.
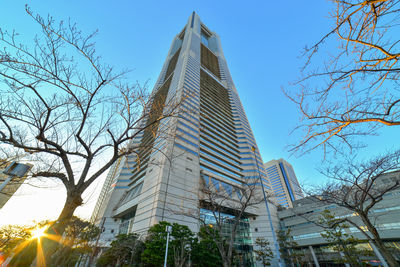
x=11, y=236
x=17, y=238
x=205, y=252
x=287, y=248
x=263, y=251
x=77, y=241
x=181, y=241
x=155, y=245
x=339, y=240
x=124, y=251
x=354, y=91
x=183, y=245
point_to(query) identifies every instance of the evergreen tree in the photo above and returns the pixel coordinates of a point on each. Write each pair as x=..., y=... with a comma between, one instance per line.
x=287, y=248
x=205, y=252
x=263, y=251
x=336, y=234
x=124, y=251
x=180, y=244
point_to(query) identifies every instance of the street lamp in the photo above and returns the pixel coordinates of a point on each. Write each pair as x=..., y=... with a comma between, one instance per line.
x=15, y=170
x=168, y=229
x=11, y=179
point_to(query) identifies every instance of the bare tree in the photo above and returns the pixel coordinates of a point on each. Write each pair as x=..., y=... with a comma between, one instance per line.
x=356, y=90
x=359, y=187
x=228, y=207
x=7, y=156
x=72, y=115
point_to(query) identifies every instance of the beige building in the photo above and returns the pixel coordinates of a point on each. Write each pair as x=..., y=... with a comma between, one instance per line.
x=303, y=217
x=211, y=142
x=284, y=183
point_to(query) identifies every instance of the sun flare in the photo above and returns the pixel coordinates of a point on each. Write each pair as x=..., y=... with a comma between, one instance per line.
x=38, y=233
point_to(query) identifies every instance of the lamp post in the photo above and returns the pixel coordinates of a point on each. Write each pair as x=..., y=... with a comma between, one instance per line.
x=14, y=170
x=168, y=229
x=278, y=254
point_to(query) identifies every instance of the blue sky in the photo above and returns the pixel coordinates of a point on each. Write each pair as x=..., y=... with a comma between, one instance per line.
x=262, y=42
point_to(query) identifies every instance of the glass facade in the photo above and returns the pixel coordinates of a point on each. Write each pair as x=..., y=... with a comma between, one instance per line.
x=204, y=38
x=243, y=242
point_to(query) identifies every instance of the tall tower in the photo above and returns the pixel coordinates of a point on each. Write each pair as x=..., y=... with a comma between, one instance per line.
x=211, y=143
x=285, y=185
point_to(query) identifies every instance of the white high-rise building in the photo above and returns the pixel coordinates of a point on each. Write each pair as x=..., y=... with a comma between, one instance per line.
x=284, y=183
x=212, y=143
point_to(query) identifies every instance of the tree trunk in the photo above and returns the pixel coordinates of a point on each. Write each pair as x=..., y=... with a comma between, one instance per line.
x=390, y=260
x=27, y=255
x=347, y=256
x=225, y=260
x=226, y=263
x=73, y=201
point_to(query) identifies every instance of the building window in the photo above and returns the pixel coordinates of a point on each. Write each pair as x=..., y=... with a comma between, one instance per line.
x=204, y=38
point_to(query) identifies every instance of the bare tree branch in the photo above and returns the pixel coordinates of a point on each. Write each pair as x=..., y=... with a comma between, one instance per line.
x=356, y=91
x=70, y=114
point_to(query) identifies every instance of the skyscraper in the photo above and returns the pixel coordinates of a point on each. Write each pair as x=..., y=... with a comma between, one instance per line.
x=284, y=182
x=212, y=143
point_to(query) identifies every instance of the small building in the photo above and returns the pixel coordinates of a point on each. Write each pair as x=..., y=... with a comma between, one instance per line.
x=305, y=229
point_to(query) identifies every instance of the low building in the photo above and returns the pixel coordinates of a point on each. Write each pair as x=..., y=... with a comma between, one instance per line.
x=302, y=220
